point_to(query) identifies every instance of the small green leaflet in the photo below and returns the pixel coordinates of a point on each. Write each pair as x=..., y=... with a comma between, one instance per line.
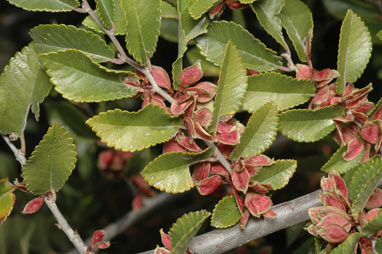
x=22, y=84
x=184, y=229
x=354, y=50
x=259, y=134
x=379, y=35
x=226, y=213
x=378, y=245
x=170, y=172
x=143, y=27
x=168, y=11
x=134, y=131
x=79, y=79
x=51, y=38
x=199, y=7
x=348, y=245
x=372, y=226
x=286, y=92
x=254, y=53
x=247, y=1
x=51, y=162
x=304, y=125
x=277, y=175
x=46, y=5
x=336, y=163
x=297, y=20
x=232, y=85
x=106, y=10
x=7, y=199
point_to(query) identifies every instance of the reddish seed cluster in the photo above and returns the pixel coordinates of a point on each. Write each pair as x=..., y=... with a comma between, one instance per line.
x=218, y=9
x=111, y=162
x=96, y=243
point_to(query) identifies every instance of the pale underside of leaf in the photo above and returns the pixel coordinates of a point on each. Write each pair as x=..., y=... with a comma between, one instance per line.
x=226, y=213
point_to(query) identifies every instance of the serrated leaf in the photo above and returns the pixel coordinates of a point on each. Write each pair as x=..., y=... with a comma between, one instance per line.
x=266, y=12
x=297, y=20
x=7, y=199
x=378, y=245
x=168, y=11
x=232, y=85
x=131, y=131
x=184, y=229
x=354, y=50
x=143, y=27
x=51, y=162
x=259, y=134
x=247, y=1
x=226, y=213
x=372, y=226
x=170, y=172
x=51, y=38
x=348, y=245
x=106, y=12
x=46, y=5
x=80, y=79
x=22, y=84
x=286, y=92
x=304, y=125
x=118, y=20
x=199, y=7
x=277, y=175
x=254, y=53
x=336, y=163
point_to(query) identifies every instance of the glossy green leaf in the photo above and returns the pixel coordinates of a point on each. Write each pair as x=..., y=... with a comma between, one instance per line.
x=106, y=12
x=354, y=50
x=226, y=213
x=277, y=175
x=254, y=53
x=118, y=20
x=169, y=11
x=266, y=12
x=46, y=5
x=7, y=199
x=372, y=226
x=143, y=27
x=199, y=7
x=259, y=134
x=232, y=85
x=51, y=38
x=79, y=79
x=170, y=172
x=348, y=245
x=286, y=92
x=22, y=84
x=184, y=229
x=297, y=20
x=336, y=163
x=131, y=131
x=304, y=125
x=51, y=162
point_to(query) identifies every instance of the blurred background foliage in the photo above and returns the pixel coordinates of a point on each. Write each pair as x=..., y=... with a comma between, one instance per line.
x=94, y=198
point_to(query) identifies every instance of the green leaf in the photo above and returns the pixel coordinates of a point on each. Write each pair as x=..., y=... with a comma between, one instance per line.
x=22, y=84
x=354, y=50
x=131, y=131
x=297, y=20
x=372, y=226
x=46, y=5
x=379, y=35
x=106, y=12
x=378, y=245
x=209, y=69
x=80, y=79
x=266, y=12
x=7, y=199
x=170, y=172
x=226, y=213
x=168, y=11
x=199, y=7
x=232, y=85
x=169, y=29
x=286, y=92
x=348, y=245
x=184, y=229
x=254, y=53
x=304, y=125
x=277, y=175
x=51, y=38
x=143, y=27
x=336, y=163
x=51, y=162
x=118, y=20
x=259, y=134
x=247, y=1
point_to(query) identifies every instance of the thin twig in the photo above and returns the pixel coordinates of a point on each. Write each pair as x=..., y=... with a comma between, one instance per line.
x=20, y=156
x=290, y=63
x=219, y=156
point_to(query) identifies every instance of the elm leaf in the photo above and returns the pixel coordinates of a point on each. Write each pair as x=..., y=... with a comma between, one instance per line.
x=348, y=245
x=354, y=50
x=51, y=162
x=336, y=163
x=106, y=12
x=372, y=226
x=169, y=11
x=199, y=7
x=7, y=199
x=226, y=213
x=46, y=5
x=135, y=131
